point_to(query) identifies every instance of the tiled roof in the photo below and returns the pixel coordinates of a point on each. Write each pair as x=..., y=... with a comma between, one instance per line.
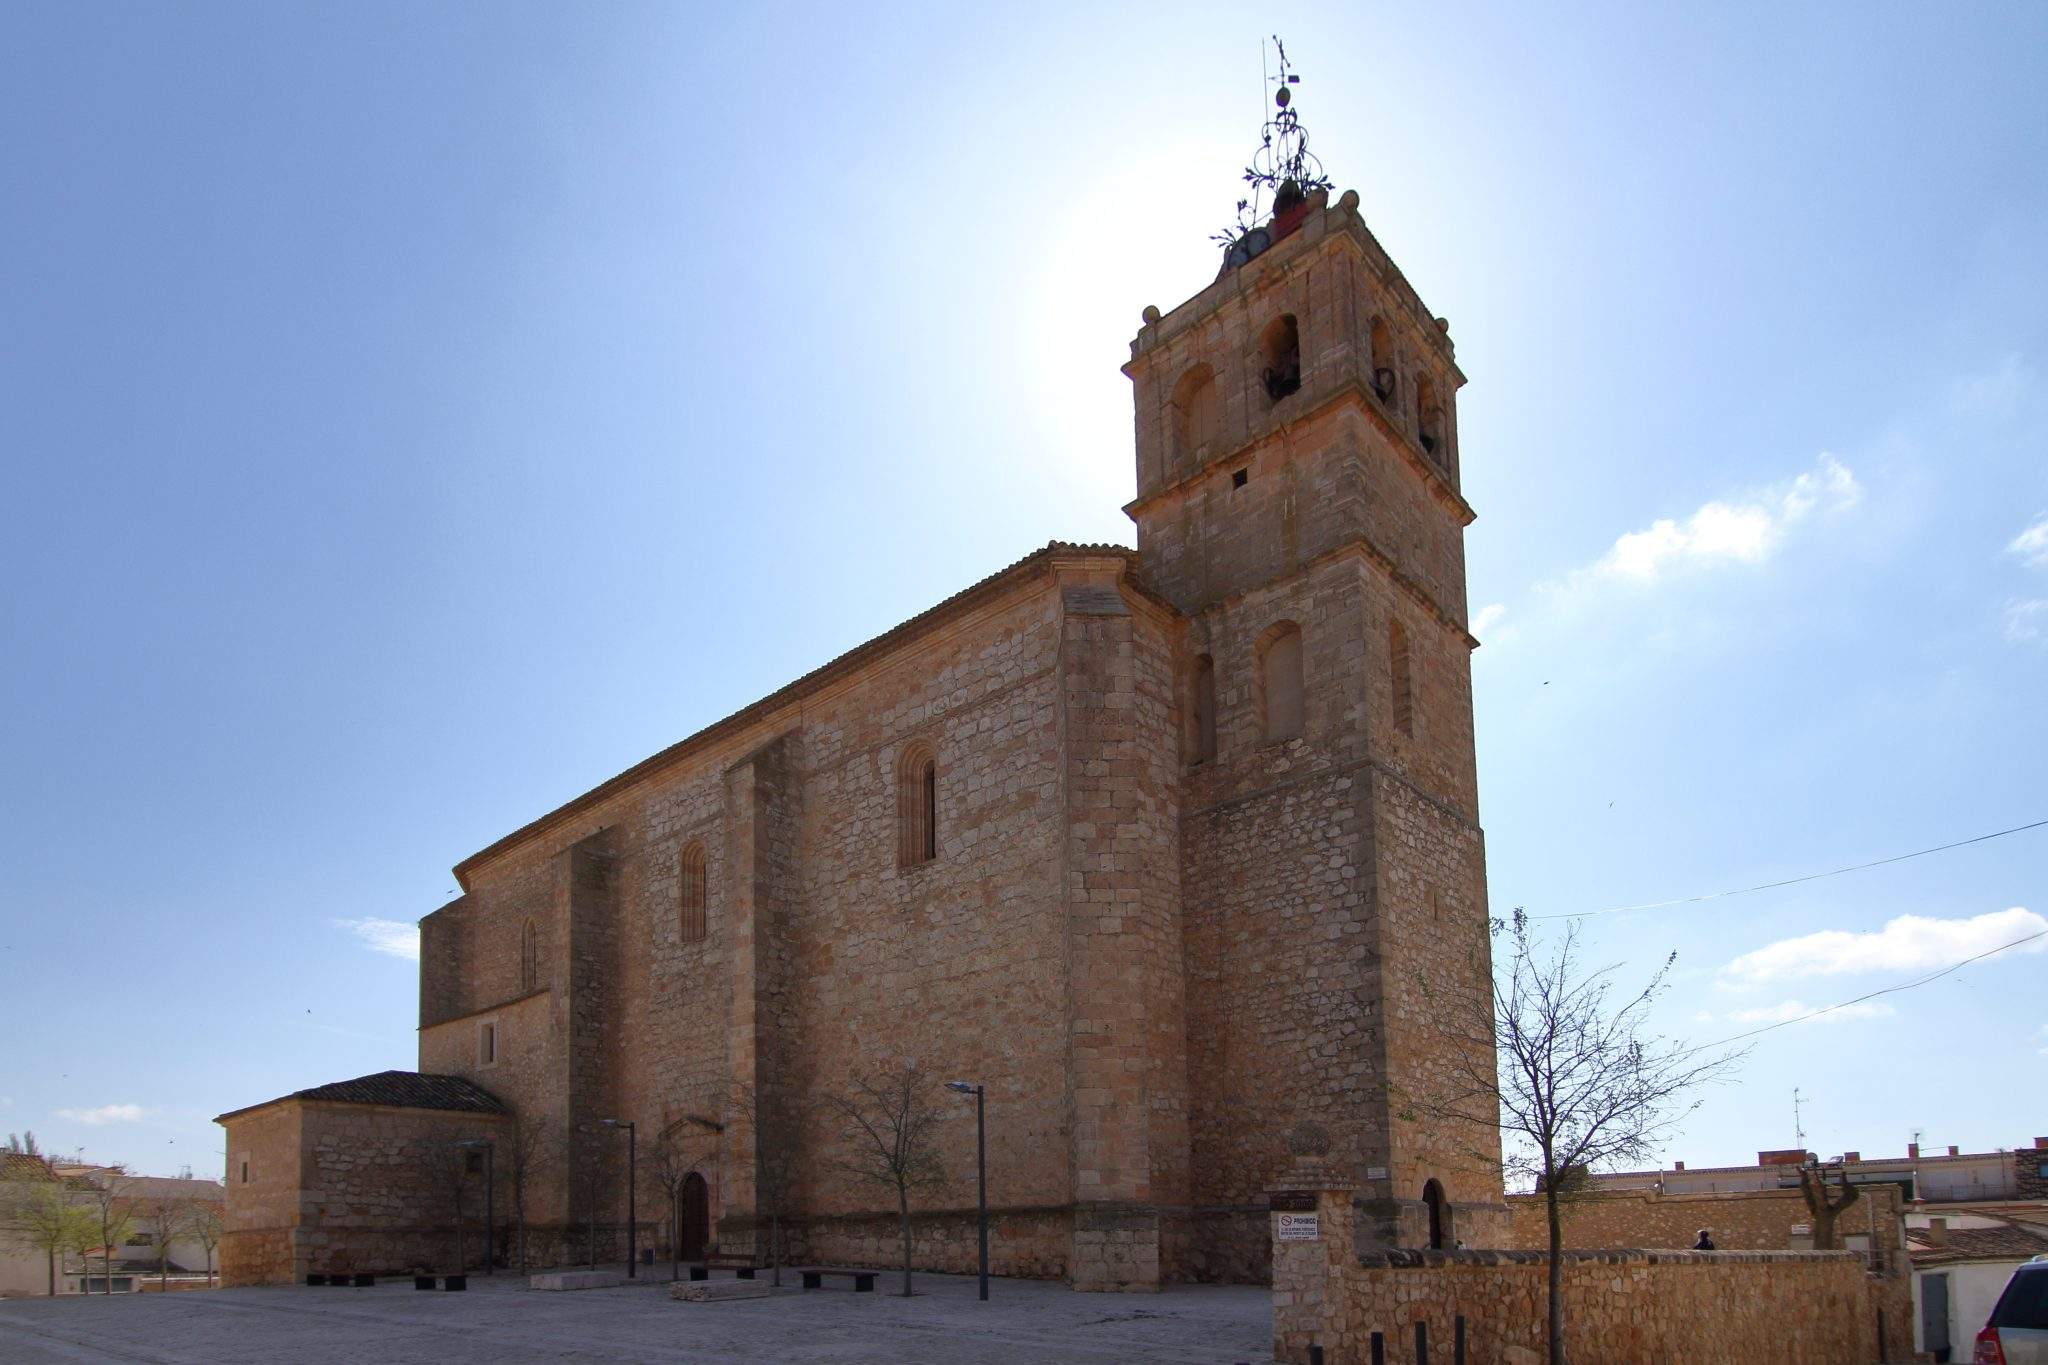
x=148, y=1187
x=22, y=1166
x=2011, y=1243
x=403, y=1090
x=860, y=653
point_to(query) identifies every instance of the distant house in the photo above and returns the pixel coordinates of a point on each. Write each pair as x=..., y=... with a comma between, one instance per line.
x=1960, y=1264
x=137, y=1256
x=1933, y=1177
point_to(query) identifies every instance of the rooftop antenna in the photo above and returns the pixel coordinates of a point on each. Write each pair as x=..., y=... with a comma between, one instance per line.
x=1797, y=1127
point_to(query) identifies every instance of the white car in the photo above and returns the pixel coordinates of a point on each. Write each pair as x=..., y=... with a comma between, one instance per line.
x=2017, y=1333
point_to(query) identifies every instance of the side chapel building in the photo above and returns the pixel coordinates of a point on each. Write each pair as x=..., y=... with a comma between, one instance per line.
x=1170, y=847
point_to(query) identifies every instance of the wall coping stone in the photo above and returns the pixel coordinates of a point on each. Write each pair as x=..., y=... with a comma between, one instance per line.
x=1396, y=1258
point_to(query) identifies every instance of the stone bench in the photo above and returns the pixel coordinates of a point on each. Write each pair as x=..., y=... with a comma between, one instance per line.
x=702, y=1269
x=717, y=1291
x=814, y=1278
x=577, y=1279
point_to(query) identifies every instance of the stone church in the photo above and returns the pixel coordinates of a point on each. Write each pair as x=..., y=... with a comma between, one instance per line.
x=1168, y=847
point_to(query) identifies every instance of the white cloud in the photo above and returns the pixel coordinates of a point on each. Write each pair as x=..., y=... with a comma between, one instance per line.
x=1486, y=618
x=1908, y=943
x=395, y=937
x=105, y=1114
x=1747, y=529
x=1786, y=1011
x=2026, y=621
x=2031, y=545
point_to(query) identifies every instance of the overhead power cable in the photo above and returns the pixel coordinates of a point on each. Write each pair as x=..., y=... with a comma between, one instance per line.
x=1888, y=990
x=1793, y=881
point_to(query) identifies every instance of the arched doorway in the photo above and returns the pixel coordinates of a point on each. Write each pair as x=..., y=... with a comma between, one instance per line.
x=694, y=1218
x=1439, y=1219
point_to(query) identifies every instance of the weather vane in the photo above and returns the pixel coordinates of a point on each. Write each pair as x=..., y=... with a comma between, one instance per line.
x=1283, y=171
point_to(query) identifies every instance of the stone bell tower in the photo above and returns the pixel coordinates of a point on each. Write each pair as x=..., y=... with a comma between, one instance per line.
x=1298, y=500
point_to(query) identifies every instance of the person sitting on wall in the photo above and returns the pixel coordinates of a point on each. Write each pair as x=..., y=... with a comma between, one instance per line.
x=1705, y=1243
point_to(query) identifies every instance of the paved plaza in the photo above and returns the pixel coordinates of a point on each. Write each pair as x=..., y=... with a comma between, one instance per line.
x=500, y=1320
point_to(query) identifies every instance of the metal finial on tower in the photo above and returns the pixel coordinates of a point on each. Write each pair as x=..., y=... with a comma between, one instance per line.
x=1282, y=174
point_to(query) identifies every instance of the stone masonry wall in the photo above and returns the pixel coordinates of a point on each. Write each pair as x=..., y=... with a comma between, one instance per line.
x=1761, y=1220
x=1622, y=1307
x=259, y=1224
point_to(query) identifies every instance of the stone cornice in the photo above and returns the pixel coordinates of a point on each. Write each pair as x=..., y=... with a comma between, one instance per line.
x=1352, y=388
x=1034, y=568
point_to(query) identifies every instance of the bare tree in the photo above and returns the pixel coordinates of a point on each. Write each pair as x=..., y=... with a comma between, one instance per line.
x=449, y=1167
x=668, y=1161
x=165, y=1218
x=106, y=1193
x=774, y=1122
x=1572, y=1080
x=206, y=1230
x=22, y=1144
x=888, y=1125
x=523, y=1155
x=51, y=1219
x=1813, y=1187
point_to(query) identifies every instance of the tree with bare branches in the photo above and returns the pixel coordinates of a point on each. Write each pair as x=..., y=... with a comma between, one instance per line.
x=1572, y=1080
x=1813, y=1187
x=206, y=1230
x=888, y=1130
x=774, y=1121
x=106, y=1193
x=668, y=1161
x=523, y=1155
x=166, y=1218
x=449, y=1166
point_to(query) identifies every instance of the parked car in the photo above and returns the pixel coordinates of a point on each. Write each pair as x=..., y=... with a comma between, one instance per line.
x=2018, y=1331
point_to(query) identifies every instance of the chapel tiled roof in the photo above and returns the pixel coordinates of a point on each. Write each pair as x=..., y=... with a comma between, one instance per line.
x=970, y=595
x=403, y=1090
x=2009, y=1243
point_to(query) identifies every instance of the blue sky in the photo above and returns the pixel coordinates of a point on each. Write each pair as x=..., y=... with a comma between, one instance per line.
x=413, y=415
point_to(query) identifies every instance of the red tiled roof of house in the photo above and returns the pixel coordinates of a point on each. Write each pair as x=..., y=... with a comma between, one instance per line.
x=400, y=1089
x=2009, y=1243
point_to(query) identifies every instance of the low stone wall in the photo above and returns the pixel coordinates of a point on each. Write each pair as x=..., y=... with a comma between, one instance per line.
x=1754, y=1220
x=1622, y=1307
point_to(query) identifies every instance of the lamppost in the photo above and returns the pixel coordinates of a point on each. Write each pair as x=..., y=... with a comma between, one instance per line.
x=632, y=1194
x=980, y=1094
x=490, y=1207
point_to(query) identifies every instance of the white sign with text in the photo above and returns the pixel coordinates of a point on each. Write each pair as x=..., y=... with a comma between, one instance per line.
x=1297, y=1227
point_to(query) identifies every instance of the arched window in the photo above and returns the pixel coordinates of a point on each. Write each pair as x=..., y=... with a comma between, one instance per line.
x=1280, y=703
x=1382, y=346
x=1202, y=710
x=1397, y=672
x=690, y=893
x=1280, y=351
x=529, y=958
x=917, y=806
x=1439, y=1215
x=1429, y=418
x=1194, y=416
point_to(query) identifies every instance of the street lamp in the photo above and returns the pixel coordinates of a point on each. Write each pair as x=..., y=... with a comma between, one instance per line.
x=632, y=1194
x=980, y=1164
x=490, y=1209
